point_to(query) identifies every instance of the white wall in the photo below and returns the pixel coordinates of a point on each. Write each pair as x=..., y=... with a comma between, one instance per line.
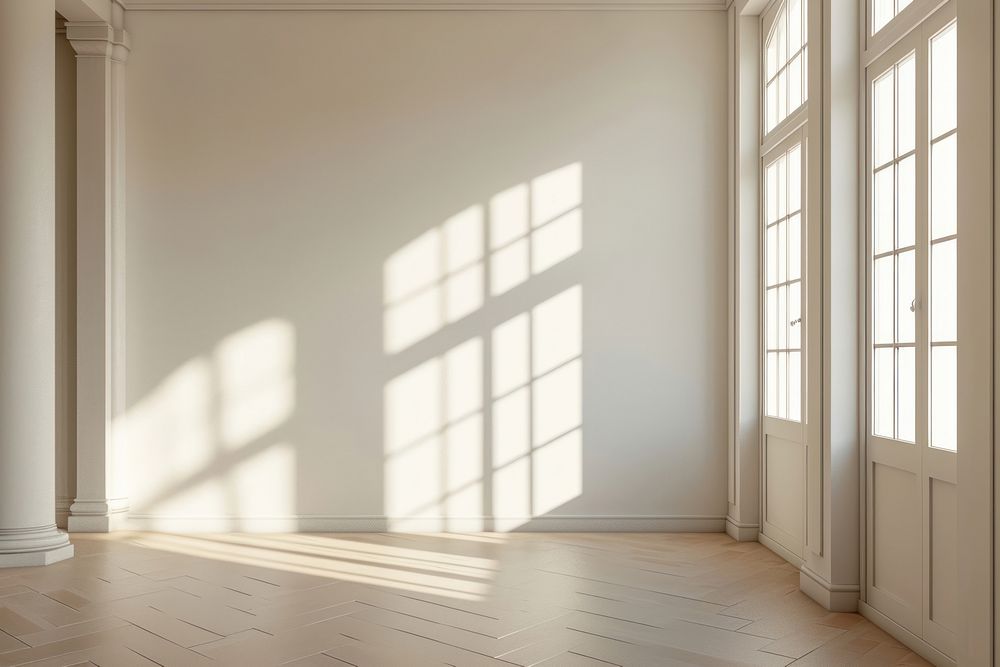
x=311, y=199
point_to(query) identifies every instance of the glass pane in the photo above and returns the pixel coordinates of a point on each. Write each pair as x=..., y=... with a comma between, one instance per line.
x=771, y=176
x=782, y=95
x=771, y=317
x=782, y=317
x=794, y=247
x=883, y=205
x=795, y=386
x=794, y=25
x=883, y=303
x=944, y=291
x=781, y=194
x=772, y=255
x=772, y=384
x=944, y=397
x=780, y=35
x=944, y=196
x=906, y=389
x=794, y=83
x=794, y=165
x=944, y=85
x=882, y=13
x=772, y=104
x=795, y=316
x=883, y=381
x=771, y=58
x=782, y=253
x=906, y=292
x=805, y=74
x=906, y=101
x=906, y=200
x=883, y=131
x=782, y=384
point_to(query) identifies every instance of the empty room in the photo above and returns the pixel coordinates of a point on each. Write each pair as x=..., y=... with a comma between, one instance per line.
x=567, y=333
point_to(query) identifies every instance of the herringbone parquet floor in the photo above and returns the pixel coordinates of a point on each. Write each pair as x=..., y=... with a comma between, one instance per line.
x=397, y=599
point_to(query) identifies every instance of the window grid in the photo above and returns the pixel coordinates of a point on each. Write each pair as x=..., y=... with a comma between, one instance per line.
x=783, y=285
x=943, y=239
x=894, y=269
x=786, y=63
x=915, y=264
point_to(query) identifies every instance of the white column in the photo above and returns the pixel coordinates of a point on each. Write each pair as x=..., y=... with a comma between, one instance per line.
x=28, y=534
x=743, y=517
x=101, y=504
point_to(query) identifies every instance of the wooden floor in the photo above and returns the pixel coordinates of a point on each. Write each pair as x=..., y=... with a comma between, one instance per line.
x=378, y=599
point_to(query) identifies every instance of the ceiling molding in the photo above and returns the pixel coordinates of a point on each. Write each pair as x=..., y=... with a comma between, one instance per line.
x=423, y=5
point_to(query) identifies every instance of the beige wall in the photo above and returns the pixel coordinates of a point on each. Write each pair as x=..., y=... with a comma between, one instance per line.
x=311, y=202
x=65, y=277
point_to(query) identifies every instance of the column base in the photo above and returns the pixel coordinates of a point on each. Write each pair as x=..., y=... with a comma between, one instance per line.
x=34, y=546
x=98, y=516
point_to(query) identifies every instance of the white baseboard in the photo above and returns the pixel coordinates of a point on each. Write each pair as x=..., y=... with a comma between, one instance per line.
x=792, y=558
x=835, y=597
x=362, y=524
x=742, y=532
x=904, y=636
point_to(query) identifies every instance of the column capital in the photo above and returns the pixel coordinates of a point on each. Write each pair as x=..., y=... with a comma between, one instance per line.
x=96, y=39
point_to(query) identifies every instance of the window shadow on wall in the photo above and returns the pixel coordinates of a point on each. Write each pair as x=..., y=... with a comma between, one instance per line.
x=483, y=425
x=482, y=405
x=212, y=433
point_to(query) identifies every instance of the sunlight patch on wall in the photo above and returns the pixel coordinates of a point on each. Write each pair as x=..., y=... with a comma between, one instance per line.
x=173, y=427
x=537, y=409
x=434, y=439
x=256, y=384
x=434, y=280
x=535, y=226
x=207, y=428
x=454, y=458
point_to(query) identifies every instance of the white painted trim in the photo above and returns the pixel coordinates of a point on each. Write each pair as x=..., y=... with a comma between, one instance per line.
x=742, y=532
x=98, y=516
x=744, y=250
x=976, y=321
x=835, y=597
x=910, y=640
x=378, y=523
x=774, y=546
x=423, y=5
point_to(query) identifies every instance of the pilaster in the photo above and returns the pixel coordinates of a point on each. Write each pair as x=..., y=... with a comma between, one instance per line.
x=101, y=53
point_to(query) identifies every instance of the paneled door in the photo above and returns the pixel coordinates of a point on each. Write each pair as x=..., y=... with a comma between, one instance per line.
x=784, y=452
x=912, y=332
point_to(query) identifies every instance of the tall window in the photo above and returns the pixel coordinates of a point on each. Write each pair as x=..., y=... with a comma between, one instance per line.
x=914, y=245
x=894, y=251
x=785, y=63
x=944, y=238
x=783, y=212
x=783, y=284
x=785, y=274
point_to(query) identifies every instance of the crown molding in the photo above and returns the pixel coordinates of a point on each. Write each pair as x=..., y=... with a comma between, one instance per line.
x=423, y=5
